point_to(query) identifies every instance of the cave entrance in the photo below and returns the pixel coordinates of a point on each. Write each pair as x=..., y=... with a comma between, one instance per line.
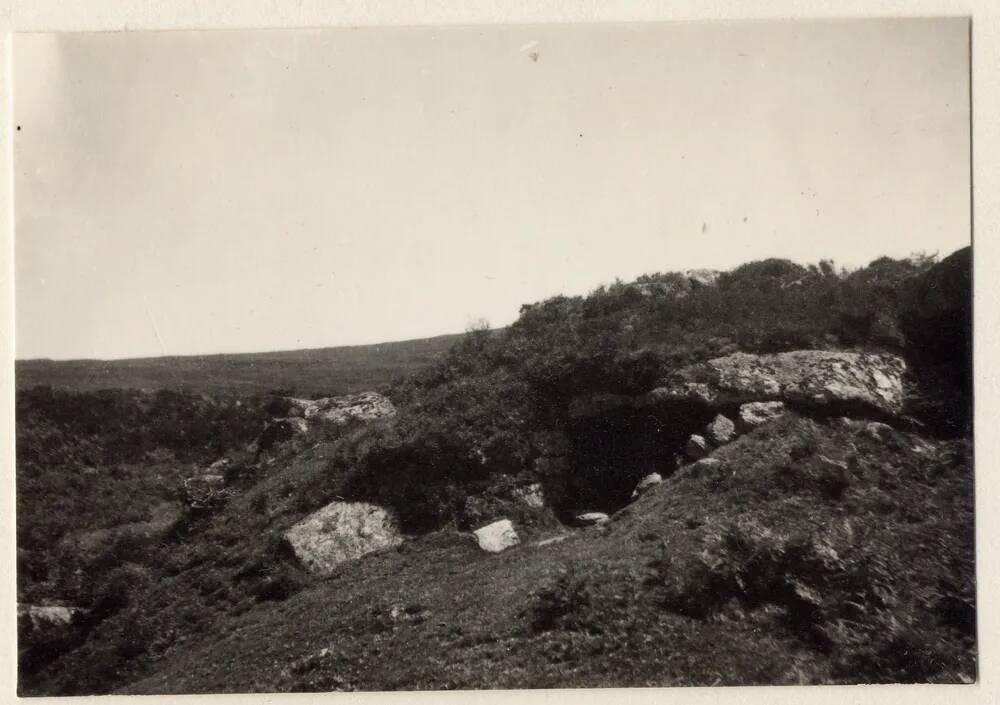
x=612, y=451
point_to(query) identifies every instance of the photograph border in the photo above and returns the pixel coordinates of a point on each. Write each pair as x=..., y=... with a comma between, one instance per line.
x=137, y=15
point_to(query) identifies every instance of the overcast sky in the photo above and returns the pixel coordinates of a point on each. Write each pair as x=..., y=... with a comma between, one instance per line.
x=246, y=191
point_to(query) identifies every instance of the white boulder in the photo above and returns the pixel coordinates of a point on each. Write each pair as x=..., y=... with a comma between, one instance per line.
x=342, y=531
x=497, y=537
x=721, y=430
x=591, y=518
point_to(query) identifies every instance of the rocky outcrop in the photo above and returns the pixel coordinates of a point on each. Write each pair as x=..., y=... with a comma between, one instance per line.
x=45, y=624
x=297, y=416
x=758, y=413
x=702, y=277
x=676, y=285
x=818, y=378
x=645, y=484
x=340, y=532
x=497, y=537
x=366, y=406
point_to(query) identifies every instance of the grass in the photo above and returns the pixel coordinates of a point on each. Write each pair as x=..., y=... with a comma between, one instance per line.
x=785, y=584
x=309, y=373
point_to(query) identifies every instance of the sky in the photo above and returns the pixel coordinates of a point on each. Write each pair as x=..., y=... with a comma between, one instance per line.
x=238, y=191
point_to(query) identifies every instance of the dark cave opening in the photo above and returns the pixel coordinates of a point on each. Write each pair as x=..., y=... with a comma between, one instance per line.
x=612, y=451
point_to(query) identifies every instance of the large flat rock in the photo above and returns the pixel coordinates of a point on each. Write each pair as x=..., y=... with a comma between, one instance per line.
x=809, y=377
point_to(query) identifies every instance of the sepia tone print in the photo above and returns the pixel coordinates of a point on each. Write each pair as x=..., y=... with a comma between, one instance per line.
x=501, y=357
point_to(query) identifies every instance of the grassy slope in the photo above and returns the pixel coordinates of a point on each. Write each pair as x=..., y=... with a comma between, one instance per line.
x=813, y=584
x=325, y=371
x=868, y=582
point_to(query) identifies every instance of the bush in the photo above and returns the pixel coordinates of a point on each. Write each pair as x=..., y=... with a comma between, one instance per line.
x=558, y=604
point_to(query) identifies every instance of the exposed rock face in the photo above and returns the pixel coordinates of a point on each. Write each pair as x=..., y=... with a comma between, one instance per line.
x=342, y=531
x=697, y=447
x=814, y=377
x=591, y=518
x=651, y=480
x=758, y=413
x=721, y=430
x=702, y=277
x=366, y=406
x=497, y=537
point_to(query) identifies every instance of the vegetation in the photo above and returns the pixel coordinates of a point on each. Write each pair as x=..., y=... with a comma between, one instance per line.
x=779, y=567
x=469, y=418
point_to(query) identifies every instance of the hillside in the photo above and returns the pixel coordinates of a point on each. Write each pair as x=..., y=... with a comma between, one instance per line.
x=757, y=476
x=317, y=372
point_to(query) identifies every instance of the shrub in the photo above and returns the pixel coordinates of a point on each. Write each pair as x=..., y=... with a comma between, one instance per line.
x=558, y=603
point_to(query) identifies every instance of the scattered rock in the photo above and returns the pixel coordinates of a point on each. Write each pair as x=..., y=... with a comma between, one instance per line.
x=697, y=447
x=497, y=537
x=809, y=377
x=552, y=540
x=849, y=423
x=409, y=613
x=878, y=431
x=591, y=518
x=758, y=413
x=830, y=463
x=342, y=531
x=646, y=483
x=721, y=430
